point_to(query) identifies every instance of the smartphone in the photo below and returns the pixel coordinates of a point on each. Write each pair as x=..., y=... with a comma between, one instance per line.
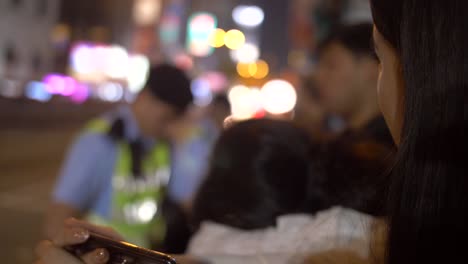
x=120, y=252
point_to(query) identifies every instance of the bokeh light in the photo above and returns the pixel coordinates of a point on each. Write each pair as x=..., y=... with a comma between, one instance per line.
x=234, y=39
x=199, y=30
x=248, y=16
x=81, y=94
x=110, y=92
x=253, y=69
x=116, y=63
x=248, y=53
x=243, y=70
x=95, y=63
x=37, y=91
x=54, y=83
x=245, y=102
x=258, y=70
x=201, y=91
x=82, y=59
x=59, y=84
x=69, y=87
x=263, y=69
x=217, y=38
x=139, y=67
x=278, y=97
x=146, y=12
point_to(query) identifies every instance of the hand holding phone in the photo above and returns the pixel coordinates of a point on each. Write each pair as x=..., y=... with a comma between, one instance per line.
x=120, y=252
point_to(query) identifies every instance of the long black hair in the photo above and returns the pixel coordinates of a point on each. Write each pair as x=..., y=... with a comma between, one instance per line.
x=259, y=171
x=428, y=203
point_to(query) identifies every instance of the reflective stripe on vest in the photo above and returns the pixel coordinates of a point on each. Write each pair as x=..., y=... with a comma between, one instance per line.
x=135, y=201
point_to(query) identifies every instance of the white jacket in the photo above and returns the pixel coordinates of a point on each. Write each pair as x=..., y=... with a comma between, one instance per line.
x=293, y=236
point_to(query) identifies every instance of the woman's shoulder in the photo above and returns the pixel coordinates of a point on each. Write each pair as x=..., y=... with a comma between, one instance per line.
x=336, y=217
x=292, y=234
x=217, y=239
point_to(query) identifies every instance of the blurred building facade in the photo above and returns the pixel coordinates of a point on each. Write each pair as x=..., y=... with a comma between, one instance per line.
x=99, y=21
x=103, y=21
x=25, y=27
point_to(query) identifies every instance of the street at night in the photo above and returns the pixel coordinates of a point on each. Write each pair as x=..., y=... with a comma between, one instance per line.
x=233, y=131
x=33, y=138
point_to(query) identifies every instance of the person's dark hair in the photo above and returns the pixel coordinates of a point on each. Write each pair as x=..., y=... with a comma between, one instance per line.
x=170, y=85
x=428, y=212
x=259, y=171
x=351, y=175
x=356, y=38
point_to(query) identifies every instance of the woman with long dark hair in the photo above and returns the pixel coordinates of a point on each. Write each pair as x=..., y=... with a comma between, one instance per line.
x=422, y=45
x=423, y=48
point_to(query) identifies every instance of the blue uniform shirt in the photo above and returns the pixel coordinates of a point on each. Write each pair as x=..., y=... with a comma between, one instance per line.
x=190, y=161
x=85, y=181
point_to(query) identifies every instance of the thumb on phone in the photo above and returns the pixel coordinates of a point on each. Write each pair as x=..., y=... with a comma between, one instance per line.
x=102, y=230
x=98, y=256
x=49, y=253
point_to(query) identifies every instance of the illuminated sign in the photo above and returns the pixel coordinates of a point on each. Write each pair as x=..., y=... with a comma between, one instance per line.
x=199, y=31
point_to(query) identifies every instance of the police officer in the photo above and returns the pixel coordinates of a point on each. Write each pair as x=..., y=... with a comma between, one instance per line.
x=117, y=169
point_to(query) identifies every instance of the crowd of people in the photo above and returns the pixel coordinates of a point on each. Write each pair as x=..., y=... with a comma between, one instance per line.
x=369, y=170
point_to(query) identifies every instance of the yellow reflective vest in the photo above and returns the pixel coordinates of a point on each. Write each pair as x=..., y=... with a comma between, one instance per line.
x=136, y=201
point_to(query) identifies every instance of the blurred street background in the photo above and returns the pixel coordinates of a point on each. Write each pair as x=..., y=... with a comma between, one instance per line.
x=65, y=62
x=33, y=139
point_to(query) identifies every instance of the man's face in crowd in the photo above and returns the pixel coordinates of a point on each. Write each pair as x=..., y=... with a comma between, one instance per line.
x=342, y=78
x=155, y=115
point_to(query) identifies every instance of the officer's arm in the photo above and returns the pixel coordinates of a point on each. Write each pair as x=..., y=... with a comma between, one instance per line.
x=77, y=185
